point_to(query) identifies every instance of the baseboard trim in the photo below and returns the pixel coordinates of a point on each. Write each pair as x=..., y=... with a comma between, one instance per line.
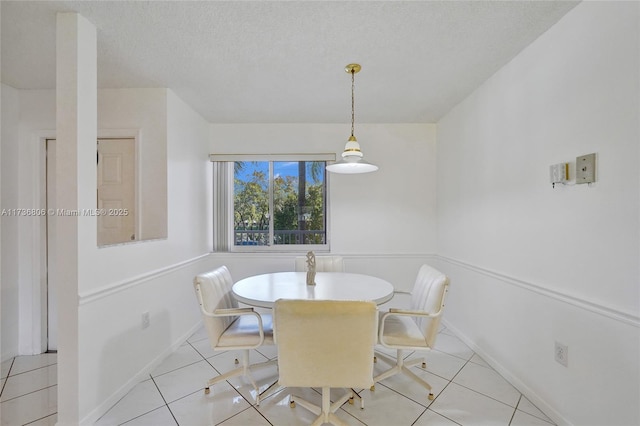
x=108, y=290
x=589, y=305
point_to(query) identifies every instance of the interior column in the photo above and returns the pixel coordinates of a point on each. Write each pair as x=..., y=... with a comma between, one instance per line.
x=76, y=123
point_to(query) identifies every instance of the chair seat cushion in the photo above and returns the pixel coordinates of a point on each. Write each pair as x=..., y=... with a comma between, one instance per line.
x=401, y=331
x=243, y=331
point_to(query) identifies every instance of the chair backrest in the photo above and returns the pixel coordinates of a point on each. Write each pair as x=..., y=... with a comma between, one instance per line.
x=323, y=264
x=213, y=290
x=325, y=343
x=428, y=294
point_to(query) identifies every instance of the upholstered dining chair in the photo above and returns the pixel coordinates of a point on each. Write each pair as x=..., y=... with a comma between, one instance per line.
x=230, y=327
x=323, y=264
x=414, y=329
x=326, y=344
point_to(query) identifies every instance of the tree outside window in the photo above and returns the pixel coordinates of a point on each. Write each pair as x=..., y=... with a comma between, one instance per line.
x=279, y=203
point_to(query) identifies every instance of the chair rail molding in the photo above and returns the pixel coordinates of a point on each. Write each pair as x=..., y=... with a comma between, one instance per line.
x=626, y=317
x=108, y=290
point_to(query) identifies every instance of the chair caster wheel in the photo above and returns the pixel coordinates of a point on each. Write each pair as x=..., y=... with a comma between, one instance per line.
x=351, y=401
x=372, y=388
x=236, y=361
x=375, y=359
x=292, y=404
x=431, y=397
x=207, y=391
x=424, y=365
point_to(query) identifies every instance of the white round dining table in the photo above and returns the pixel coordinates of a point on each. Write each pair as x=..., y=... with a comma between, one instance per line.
x=263, y=290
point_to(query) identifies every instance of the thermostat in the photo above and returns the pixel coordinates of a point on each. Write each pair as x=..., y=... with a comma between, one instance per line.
x=559, y=173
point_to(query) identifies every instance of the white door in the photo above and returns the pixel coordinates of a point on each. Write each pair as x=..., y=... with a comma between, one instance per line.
x=116, y=191
x=52, y=310
x=116, y=198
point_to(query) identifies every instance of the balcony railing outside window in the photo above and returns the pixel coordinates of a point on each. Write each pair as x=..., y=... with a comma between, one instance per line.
x=248, y=237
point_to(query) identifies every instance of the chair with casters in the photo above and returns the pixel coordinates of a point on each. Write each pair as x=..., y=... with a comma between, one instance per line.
x=230, y=327
x=414, y=329
x=326, y=344
x=323, y=264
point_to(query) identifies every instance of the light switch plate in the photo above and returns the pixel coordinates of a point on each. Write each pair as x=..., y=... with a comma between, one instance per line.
x=586, y=168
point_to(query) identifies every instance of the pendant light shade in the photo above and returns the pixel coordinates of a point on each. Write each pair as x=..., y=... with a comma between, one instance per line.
x=352, y=161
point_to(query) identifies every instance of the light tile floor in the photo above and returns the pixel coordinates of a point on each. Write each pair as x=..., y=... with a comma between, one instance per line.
x=468, y=392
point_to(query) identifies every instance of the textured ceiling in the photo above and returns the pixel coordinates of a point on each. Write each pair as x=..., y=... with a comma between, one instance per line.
x=283, y=62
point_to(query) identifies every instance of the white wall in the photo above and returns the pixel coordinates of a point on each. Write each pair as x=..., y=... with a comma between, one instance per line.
x=10, y=239
x=152, y=276
x=117, y=283
x=364, y=214
x=130, y=110
x=141, y=111
x=366, y=226
x=531, y=265
x=189, y=179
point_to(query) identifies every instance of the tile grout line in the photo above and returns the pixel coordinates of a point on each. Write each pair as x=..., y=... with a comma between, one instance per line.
x=251, y=407
x=421, y=414
x=546, y=419
x=29, y=393
x=487, y=396
x=31, y=370
x=7, y=378
x=165, y=402
x=481, y=393
x=42, y=418
x=514, y=410
x=437, y=375
x=437, y=396
x=140, y=415
x=200, y=390
x=160, y=392
x=351, y=416
x=446, y=386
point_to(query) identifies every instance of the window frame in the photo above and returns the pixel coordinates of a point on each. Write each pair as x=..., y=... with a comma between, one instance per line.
x=224, y=239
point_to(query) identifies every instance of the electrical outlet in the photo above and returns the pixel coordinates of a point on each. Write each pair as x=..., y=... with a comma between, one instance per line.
x=145, y=320
x=562, y=354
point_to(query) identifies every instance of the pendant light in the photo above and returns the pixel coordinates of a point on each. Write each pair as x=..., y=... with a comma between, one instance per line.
x=352, y=161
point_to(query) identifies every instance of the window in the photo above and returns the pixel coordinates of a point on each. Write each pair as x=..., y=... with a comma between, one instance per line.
x=270, y=205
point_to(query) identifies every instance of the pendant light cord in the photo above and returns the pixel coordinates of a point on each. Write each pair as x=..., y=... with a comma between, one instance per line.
x=353, y=114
